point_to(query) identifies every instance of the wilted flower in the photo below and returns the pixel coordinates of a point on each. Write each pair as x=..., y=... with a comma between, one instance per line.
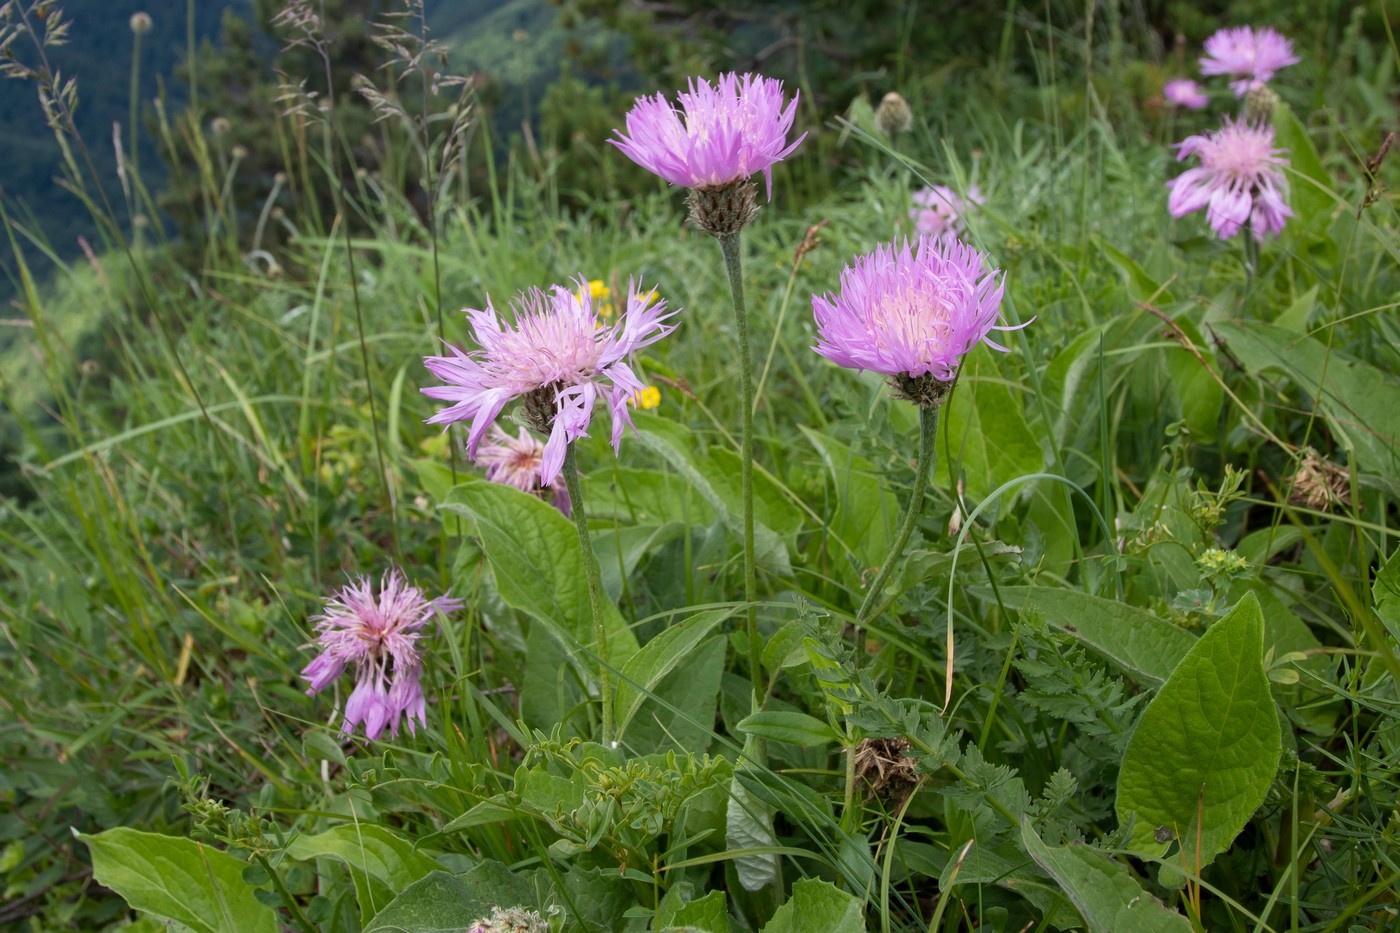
x=1248, y=55
x=516, y=461
x=379, y=636
x=911, y=313
x=722, y=135
x=1183, y=92
x=556, y=355
x=939, y=210
x=1240, y=179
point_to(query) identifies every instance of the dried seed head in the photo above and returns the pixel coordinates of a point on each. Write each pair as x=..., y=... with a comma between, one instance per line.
x=1319, y=483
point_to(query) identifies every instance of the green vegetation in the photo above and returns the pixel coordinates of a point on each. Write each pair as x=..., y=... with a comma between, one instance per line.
x=1137, y=669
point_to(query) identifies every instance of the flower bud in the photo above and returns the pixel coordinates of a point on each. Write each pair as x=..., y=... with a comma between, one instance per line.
x=140, y=23
x=893, y=116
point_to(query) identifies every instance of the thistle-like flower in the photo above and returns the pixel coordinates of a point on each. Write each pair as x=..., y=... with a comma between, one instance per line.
x=1183, y=92
x=510, y=920
x=940, y=210
x=1249, y=55
x=516, y=461
x=379, y=636
x=1240, y=179
x=911, y=313
x=723, y=134
x=558, y=356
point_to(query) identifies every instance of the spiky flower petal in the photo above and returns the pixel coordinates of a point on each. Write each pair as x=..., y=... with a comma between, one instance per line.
x=555, y=353
x=1240, y=179
x=911, y=312
x=1249, y=55
x=940, y=210
x=722, y=133
x=378, y=635
x=1183, y=92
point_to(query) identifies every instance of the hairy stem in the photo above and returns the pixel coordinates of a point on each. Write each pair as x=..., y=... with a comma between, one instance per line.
x=595, y=589
x=729, y=245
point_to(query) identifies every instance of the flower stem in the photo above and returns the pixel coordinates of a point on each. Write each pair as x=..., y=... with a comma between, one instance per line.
x=595, y=589
x=928, y=433
x=729, y=246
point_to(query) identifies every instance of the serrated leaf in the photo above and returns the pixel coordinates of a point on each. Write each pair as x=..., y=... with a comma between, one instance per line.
x=535, y=559
x=1105, y=893
x=179, y=879
x=657, y=658
x=789, y=726
x=1139, y=642
x=818, y=905
x=447, y=903
x=1207, y=746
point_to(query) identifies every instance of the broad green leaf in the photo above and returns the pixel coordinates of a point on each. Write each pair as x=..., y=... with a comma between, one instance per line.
x=1361, y=402
x=1106, y=894
x=646, y=497
x=983, y=864
x=1385, y=593
x=657, y=658
x=1141, y=286
x=179, y=879
x=984, y=428
x=1194, y=386
x=380, y=863
x=1207, y=746
x=621, y=549
x=818, y=906
x=447, y=903
x=1139, y=642
x=749, y=825
x=792, y=727
x=719, y=487
x=1310, y=184
x=680, y=714
x=707, y=914
x=865, y=511
x=535, y=559
x=553, y=685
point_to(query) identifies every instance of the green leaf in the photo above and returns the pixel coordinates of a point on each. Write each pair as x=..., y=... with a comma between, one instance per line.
x=680, y=713
x=1106, y=894
x=179, y=879
x=792, y=727
x=1139, y=642
x=749, y=825
x=866, y=512
x=535, y=559
x=1007, y=868
x=657, y=658
x=818, y=905
x=1195, y=387
x=1207, y=746
x=447, y=903
x=1385, y=592
x=1309, y=182
x=708, y=913
x=380, y=862
x=984, y=428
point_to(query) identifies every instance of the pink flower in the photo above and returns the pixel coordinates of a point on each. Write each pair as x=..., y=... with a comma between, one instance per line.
x=557, y=355
x=910, y=312
x=939, y=210
x=1247, y=54
x=1183, y=92
x=723, y=133
x=380, y=637
x=516, y=461
x=1240, y=179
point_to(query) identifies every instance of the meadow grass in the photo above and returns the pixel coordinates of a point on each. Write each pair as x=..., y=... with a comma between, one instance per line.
x=1131, y=477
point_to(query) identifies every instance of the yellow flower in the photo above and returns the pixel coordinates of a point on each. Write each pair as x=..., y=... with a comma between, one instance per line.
x=646, y=399
x=600, y=293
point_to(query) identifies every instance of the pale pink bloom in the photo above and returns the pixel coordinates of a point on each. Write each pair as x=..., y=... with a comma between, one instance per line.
x=722, y=133
x=559, y=355
x=1251, y=56
x=379, y=636
x=517, y=461
x=1183, y=92
x=910, y=311
x=1240, y=179
x=939, y=210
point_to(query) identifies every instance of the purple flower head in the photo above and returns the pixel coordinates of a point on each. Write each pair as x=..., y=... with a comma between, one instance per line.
x=379, y=636
x=516, y=461
x=559, y=356
x=1248, y=55
x=722, y=133
x=910, y=312
x=1183, y=92
x=939, y=210
x=1240, y=179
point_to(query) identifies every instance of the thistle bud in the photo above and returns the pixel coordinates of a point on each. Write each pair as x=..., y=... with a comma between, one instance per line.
x=140, y=23
x=1260, y=101
x=724, y=210
x=893, y=116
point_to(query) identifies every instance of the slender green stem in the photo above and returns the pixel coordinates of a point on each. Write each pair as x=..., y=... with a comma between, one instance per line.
x=729, y=245
x=928, y=432
x=595, y=589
